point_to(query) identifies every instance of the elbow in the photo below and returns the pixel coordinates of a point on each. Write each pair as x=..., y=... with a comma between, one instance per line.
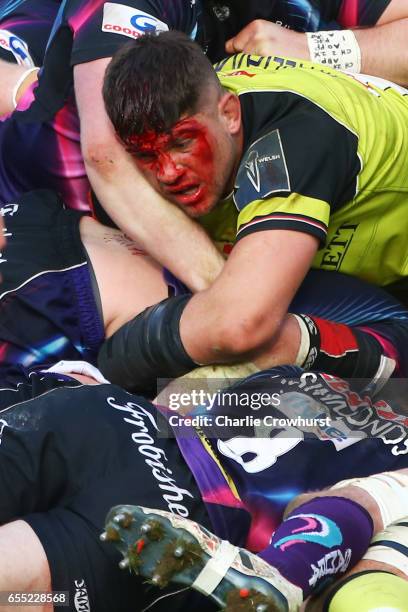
x=100, y=155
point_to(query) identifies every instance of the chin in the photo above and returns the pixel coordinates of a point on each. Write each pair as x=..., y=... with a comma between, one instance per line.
x=197, y=210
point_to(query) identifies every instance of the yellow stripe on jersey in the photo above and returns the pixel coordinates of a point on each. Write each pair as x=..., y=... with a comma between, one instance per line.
x=300, y=208
x=208, y=449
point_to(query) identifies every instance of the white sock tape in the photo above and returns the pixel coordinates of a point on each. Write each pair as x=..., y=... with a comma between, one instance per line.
x=336, y=48
x=382, y=550
x=19, y=83
x=216, y=568
x=304, y=346
x=388, y=489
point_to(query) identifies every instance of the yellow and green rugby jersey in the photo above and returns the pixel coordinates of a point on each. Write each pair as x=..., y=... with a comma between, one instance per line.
x=324, y=153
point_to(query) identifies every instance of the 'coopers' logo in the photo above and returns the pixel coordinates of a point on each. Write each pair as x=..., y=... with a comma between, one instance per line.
x=125, y=20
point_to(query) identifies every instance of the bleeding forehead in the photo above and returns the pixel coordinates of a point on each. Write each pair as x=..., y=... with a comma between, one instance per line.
x=158, y=141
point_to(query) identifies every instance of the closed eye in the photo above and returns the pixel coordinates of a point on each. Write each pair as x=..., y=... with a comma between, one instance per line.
x=182, y=143
x=144, y=156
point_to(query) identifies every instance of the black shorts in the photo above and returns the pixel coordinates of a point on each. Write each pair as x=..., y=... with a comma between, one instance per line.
x=48, y=303
x=68, y=456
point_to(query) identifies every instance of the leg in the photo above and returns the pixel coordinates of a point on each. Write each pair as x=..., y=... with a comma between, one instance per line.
x=320, y=538
x=164, y=548
x=349, y=326
x=137, y=281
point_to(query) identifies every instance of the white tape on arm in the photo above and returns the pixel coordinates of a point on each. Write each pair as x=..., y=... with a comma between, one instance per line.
x=304, y=345
x=216, y=568
x=19, y=83
x=388, y=489
x=336, y=48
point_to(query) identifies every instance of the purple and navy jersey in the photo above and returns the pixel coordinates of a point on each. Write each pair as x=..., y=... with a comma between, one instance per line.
x=314, y=432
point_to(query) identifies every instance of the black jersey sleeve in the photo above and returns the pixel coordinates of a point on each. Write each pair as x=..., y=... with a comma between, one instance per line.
x=85, y=31
x=100, y=28
x=296, y=168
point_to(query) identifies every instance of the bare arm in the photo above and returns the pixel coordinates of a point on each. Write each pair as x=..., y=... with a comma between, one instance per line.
x=166, y=233
x=384, y=51
x=243, y=315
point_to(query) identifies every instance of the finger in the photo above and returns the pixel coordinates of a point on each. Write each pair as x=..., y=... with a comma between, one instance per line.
x=238, y=42
x=230, y=46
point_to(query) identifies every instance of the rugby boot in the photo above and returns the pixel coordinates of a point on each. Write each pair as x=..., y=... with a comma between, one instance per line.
x=164, y=548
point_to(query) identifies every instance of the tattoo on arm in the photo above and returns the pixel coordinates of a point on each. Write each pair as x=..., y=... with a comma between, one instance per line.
x=123, y=240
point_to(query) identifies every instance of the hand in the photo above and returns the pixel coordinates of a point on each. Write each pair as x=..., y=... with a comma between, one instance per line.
x=265, y=38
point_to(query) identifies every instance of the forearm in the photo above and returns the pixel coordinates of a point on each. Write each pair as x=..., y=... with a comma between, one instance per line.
x=160, y=229
x=379, y=51
x=206, y=344
x=383, y=48
x=241, y=317
x=384, y=51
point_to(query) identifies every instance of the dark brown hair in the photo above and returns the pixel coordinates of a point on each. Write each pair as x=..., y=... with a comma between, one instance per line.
x=152, y=81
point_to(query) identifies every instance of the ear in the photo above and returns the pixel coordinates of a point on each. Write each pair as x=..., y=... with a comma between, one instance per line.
x=229, y=110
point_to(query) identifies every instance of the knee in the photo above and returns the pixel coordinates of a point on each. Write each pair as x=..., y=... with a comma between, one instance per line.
x=368, y=591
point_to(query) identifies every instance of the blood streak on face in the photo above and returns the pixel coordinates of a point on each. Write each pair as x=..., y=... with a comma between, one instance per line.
x=180, y=164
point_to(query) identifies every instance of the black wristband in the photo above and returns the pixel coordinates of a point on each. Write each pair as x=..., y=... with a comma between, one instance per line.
x=147, y=348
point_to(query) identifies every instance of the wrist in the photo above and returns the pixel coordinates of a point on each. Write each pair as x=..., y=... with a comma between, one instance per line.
x=338, y=49
x=302, y=47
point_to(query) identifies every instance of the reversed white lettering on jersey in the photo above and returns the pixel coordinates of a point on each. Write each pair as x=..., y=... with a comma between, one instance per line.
x=8, y=209
x=3, y=425
x=143, y=436
x=81, y=599
x=125, y=20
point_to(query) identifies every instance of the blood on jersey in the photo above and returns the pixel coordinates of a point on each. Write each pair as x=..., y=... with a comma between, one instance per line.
x=241, y=73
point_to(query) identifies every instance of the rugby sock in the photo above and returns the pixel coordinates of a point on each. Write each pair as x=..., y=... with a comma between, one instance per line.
x=318, y=540
x=338, y=349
